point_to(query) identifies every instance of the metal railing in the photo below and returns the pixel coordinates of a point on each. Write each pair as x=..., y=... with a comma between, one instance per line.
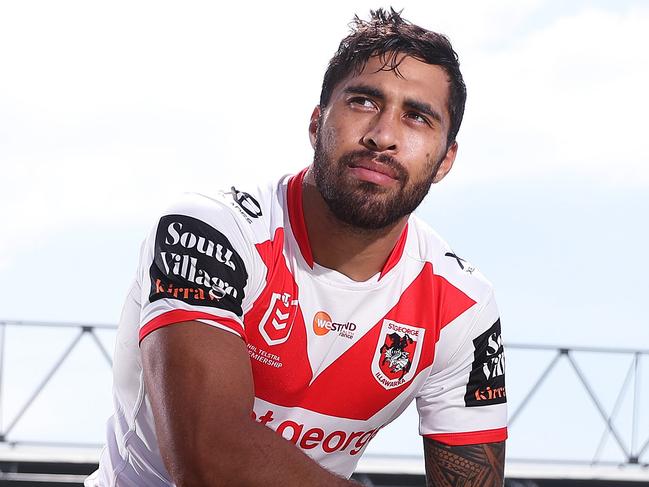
x=634, y=447
x=84, y=330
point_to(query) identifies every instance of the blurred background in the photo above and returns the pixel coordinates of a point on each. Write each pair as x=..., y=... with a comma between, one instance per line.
x=109, y=110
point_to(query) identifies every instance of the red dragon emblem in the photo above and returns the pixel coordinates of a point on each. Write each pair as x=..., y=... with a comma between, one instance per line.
x=396, y=355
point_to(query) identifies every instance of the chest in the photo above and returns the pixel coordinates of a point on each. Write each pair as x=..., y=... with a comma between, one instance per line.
x=337, y=350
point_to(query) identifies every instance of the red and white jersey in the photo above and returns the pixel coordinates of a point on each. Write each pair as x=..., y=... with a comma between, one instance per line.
x=333, y=360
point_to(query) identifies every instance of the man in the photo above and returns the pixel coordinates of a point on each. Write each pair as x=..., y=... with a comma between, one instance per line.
x=271, y=333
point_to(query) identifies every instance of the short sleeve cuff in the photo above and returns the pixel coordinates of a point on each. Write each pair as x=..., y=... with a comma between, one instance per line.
x=470, y=437
x=180, y=315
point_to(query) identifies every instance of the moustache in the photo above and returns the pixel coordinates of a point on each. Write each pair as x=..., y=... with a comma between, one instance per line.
x=352, y=157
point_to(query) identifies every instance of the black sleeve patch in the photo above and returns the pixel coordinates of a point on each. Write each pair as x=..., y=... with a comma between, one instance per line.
x=487, y=379
x=195, y=263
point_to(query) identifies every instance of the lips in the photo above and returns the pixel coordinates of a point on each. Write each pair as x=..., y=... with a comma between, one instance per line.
x=373, y=165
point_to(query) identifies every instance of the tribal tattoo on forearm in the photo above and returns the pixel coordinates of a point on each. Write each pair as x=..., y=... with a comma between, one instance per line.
x=464, y=466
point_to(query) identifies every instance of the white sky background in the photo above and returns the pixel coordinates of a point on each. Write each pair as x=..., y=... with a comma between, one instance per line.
x=108, y=110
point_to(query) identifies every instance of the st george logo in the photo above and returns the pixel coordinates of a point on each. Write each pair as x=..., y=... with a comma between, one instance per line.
x=277, y=322
x=397, y=355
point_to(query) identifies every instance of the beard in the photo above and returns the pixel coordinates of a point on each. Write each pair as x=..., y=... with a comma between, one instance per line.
x=362, y=204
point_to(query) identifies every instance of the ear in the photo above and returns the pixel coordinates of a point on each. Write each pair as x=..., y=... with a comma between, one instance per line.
x=313, y=125
x=447, y=163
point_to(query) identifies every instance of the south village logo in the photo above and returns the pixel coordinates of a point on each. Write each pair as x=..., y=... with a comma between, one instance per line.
x=196, y=263
x=487, y=379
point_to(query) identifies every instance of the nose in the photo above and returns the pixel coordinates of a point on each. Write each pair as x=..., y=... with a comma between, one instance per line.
x=382, y=134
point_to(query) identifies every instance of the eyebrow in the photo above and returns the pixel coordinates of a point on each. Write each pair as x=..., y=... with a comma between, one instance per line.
x=409, y=103
x=424, y=108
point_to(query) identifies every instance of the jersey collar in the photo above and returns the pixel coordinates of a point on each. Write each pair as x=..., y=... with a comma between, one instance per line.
x=298, y=226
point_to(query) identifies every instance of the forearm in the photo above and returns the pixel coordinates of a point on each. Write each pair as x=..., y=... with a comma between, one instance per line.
x=249, y=455
x=470, y=465
x=200, y=387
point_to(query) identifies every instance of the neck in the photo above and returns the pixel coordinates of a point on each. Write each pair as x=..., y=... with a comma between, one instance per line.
x=355, y=252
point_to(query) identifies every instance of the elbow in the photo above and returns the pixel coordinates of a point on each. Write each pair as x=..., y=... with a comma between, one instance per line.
x=218, y=461
x=186, y=474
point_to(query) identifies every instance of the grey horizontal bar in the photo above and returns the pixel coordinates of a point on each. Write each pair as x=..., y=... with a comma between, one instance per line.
x=70, y=444
x=523, y=346
x=46, y=478
x=58, y=325
x=579, y=463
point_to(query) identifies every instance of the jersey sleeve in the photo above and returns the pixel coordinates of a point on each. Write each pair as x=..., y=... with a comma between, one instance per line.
x=463, y=401
x=196, y=265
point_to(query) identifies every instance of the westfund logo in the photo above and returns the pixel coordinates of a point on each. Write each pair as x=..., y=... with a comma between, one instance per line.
x=197, y=264
x=487, y=379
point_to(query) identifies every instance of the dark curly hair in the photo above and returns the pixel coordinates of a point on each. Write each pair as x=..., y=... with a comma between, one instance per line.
x=387, y=34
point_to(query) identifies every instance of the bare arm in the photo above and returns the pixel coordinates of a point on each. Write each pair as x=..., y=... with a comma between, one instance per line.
x=464, y=466
x=200, y=385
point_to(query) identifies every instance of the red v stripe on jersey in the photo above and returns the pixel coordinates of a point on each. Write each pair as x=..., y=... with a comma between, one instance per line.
x=359, y=395
x=279, y=385
x=429, y=302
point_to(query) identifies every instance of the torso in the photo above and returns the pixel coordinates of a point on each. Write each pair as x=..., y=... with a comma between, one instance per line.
x=333, y=360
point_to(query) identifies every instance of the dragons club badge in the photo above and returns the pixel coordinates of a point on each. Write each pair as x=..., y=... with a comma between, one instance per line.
x=397, y=353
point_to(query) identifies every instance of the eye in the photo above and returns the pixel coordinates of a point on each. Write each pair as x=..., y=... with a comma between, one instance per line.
x=362, y=101
x=417, y=117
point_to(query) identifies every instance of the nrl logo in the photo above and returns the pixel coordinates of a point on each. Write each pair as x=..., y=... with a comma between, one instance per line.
x=277, y=322
x=397, y=354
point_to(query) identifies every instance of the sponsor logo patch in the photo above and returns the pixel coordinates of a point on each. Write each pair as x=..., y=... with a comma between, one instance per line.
x=464, y=265
x=324, y=440
x=487, y=379
x=196, y=263
x=397, y=353
x=245, y=203
x=276, y=324
x=323, y=324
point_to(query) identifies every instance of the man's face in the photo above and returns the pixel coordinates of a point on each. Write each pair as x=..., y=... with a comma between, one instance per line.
x=381, y=142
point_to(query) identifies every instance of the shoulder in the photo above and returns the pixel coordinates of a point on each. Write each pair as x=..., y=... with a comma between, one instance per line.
x=247, y=211
x=428, y=246
x=461, y=294
x=203, y=249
